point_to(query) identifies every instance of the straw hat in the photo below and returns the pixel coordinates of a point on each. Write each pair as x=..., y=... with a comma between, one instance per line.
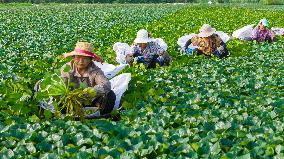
x=206, y=30
x=142, y=37
x=83, y=49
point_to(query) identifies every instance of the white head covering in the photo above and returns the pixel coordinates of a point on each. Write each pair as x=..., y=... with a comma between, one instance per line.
x=142, y=37
x=263, y=22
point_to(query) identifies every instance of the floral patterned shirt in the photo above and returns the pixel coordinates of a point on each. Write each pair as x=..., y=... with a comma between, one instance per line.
x=261, y=36
x=153, y=51
x=207, y=45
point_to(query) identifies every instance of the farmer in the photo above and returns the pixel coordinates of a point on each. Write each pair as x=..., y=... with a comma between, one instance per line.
x=146, y=50
x=84, y=70
x=208, y=43
x=261, y=33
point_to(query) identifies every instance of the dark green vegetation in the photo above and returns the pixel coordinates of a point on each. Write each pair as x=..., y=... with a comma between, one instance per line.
x=196, y=108
x=269, y=2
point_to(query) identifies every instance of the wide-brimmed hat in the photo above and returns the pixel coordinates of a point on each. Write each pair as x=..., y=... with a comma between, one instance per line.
x=142, y=37
x=263, y=22
x=206, y=30
x=83, y=49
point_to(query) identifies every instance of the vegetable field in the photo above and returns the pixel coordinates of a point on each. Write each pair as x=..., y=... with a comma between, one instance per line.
x=195, y=108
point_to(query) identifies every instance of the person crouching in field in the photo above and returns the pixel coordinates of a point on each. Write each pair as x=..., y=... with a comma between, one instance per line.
x=208, y=43
x=83, y=70
x=261, y=33
x=146, y=50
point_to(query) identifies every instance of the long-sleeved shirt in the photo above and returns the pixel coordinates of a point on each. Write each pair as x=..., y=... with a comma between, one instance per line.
x=93, y=77
x=153, y=51
x=208, y=45
x=261, y=36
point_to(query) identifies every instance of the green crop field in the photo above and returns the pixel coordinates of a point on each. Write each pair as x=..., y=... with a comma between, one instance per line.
x=195, y=108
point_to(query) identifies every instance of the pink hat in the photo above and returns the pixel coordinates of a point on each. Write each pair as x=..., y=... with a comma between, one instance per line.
x=83, y=49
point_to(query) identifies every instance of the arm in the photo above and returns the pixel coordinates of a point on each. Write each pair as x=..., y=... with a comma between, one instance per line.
x=152, y=52
x=272, y=35
x=194, y=40
x=103, y=85
x=163, y=57
x=219, y=43
x=135, y=55
x=135, y=51
x=221, y=48
x=187, y=43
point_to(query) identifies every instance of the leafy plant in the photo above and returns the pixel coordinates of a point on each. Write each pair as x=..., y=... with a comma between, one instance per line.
x=66, y=98
x=195, y=108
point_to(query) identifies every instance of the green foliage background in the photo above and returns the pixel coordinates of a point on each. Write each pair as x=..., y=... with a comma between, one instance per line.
x=195, y=108
x=270, y=2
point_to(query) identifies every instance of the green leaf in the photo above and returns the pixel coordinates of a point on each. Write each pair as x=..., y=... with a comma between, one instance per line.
x=195, y=146
x=269, y=151
x=6, y=153
x=278, y=149
x=84, y=155
x=83, y=85
x=247, y=156
x=49, y=156
x=215, y=149
x=30, y=147
x=34, y=119
x=48, y=114
x=67, y=68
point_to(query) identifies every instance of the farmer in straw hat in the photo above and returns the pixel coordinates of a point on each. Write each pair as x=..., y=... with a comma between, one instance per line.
x=261, y=33
x=146, y=50
x=208, y=42
x=84, y=70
